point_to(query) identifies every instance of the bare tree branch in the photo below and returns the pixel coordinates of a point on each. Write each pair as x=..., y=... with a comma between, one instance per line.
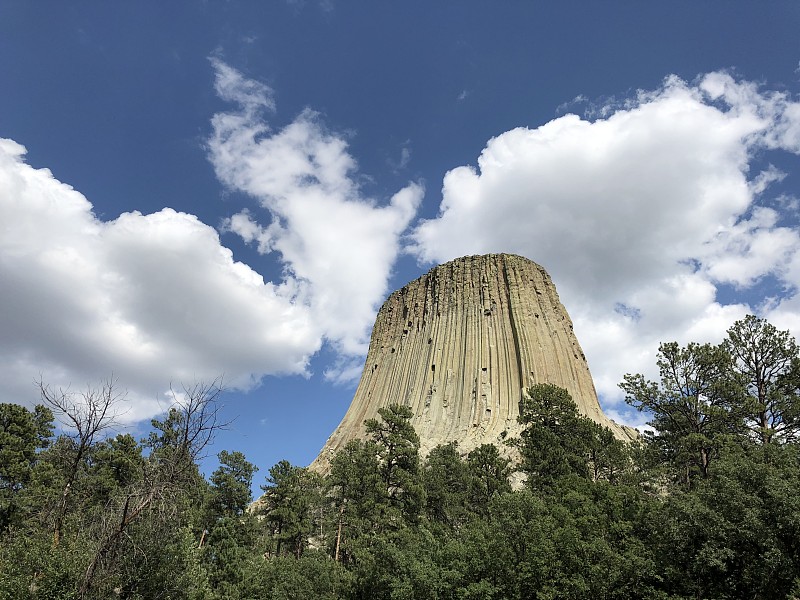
x=88, y=414
x=183, y=436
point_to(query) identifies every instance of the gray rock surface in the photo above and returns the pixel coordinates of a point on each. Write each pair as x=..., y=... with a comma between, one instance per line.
x=459, y=345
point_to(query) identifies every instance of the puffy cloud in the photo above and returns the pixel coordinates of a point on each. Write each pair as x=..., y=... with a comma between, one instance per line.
x=155, y=299
x=152, y=299
x=639, y=216
x=337, y=245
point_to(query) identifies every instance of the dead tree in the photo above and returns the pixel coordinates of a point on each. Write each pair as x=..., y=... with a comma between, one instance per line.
x=178, y=442
x=88, y=415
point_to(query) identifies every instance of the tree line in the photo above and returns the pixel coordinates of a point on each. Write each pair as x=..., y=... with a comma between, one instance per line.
x=703, y=505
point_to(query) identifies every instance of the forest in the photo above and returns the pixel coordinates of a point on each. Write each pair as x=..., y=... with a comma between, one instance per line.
x=703, y=505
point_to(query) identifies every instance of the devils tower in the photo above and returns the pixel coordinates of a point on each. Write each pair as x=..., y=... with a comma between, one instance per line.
x=459, y=345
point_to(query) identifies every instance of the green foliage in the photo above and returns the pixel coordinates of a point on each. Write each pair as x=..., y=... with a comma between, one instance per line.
x=114, y=464
x=767, y=362
x=398, y=451
x=31, y=568
x=292, y=495
x=230, y=484
x=109, y=516
x=356, y=489
x=402, y=564
x=446, y=480
x=694, y=406
x=577, y=543
x=230, y=545
x=87, y=517
x=458, y=490
x=488, y=474
x=604, y=524
x=547, y=448
x=313, y=575
x=737, y=535
x=557, y=441
x=22, y=435
x=159, y=560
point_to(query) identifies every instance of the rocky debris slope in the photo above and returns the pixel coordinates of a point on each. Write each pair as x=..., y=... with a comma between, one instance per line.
x=459, y=345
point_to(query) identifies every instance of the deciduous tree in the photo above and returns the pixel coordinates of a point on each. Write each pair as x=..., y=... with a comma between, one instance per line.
x=87, y=416
x=169, y=474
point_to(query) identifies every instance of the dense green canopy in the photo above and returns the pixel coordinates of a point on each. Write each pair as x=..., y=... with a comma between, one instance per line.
x=703, y=506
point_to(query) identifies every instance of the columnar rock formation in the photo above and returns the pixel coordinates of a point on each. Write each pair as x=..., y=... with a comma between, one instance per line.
x=459, y=345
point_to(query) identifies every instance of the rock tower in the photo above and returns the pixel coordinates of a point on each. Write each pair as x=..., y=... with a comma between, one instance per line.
x=459, y=345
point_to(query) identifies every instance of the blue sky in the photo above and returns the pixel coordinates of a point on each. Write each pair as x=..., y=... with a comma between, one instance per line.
x=196, y=188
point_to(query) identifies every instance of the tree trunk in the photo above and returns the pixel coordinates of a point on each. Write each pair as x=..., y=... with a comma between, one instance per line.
x=62, y=508
x=339, y=534
x=111, y=541
x=704, y=462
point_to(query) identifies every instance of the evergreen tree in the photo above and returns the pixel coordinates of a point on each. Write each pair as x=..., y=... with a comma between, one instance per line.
x=22, y=435
x=292, y=495
x=557, y=441
x=488, y=473
x=231, y=535
x=398, y=449
x=355, y=484
x=767, y=362
x=230, y=484
x=736, y=534
x=313, y=575
x=695, y=404
x=447, y=486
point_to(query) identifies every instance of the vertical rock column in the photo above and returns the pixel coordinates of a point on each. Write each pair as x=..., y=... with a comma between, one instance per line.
x=459, y=345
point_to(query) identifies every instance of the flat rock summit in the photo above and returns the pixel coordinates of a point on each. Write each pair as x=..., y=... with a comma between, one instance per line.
x=459, y=345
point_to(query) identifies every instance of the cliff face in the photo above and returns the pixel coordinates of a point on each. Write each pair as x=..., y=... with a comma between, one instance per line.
x=459, y=345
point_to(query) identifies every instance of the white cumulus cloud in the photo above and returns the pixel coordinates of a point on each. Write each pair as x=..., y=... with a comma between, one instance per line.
x=157, y=299
x=639, y=216
x=151, y=299
x=337, y=245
